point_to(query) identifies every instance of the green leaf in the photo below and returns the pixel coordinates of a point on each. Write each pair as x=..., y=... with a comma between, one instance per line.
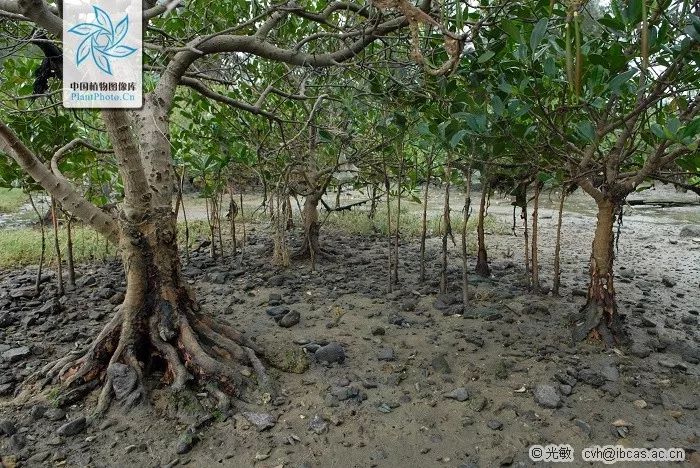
x=486, y=56
x=538, y=33
x=586, y=130
x=692, y=129
x=497, y=105
x=658, y=130
x=620, y=79
x=457, y=138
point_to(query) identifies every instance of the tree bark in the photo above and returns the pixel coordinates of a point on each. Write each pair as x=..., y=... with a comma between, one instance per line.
x=69, y=249
x=557, y=247
x=311, y=247
x=57, y=247
x=424, y=220
x=448, y=227
x=534, y=256
x=598, y=318
x=465, y=221
x=482, y=263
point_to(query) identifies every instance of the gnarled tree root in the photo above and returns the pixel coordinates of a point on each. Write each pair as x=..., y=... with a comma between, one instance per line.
x=202, y=349
x=594, y=321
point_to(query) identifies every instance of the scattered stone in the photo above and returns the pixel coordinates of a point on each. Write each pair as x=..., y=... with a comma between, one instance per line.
x=439, y=364
x=459, y=394
x=692, y=230
x=495, y=425
x=73, y=427
x=332, y=352
x=124, y=379
x=547, y=396
x=640, y=404
x=668, y=282
x=277, y=312
x=318, y=425
x=185, y=443
x=386, y=354
x=16, y=354
x=54, y=414
x=290, y=319
x=262, y=421
x=378, y=331
x=592, y=378
x=7, y=428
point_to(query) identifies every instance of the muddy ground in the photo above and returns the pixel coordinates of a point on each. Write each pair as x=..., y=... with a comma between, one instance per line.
x=420, y=384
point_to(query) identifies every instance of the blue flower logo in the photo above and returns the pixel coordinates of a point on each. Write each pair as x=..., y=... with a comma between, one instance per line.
x=102, y=40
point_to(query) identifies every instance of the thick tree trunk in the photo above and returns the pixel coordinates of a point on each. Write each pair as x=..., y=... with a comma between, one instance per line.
x=159, y=324
x=482, y=263
x=598, y=317
x=311, y=247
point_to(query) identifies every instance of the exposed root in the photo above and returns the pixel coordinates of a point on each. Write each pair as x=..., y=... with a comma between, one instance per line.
x=205, y=349
x=593, y=322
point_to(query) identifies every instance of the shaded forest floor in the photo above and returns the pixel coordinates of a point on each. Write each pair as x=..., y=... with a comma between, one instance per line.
x=421, y=383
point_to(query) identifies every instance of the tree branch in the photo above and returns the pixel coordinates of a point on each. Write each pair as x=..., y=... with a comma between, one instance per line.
x=57, y=187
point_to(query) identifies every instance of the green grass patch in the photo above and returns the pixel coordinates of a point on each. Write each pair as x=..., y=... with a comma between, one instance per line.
x=11, y=200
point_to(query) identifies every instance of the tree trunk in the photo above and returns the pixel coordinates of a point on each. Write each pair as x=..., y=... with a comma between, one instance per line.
x=311, y=248
x=535, y=214
x=57, y=247
x=448, y=227
x=557, y=247
x=70, y=258
x=465, y=220
x=37, y=284
x=482, y=263
x=424, y=221
x=158, y=318
x=598, y=317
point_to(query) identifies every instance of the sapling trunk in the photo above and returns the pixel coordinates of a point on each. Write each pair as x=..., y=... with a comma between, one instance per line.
x=387, y=187
x=557, y=247
x=465, y=221
x=57, y=247
x=482, y=263
x=424, y=221
x=37, y=283
x=398, y=217
x=69, y=249
x=447, y=228
x=535, y=265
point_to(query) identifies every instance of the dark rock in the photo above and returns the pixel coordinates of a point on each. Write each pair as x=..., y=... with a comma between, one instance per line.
x=386, y=354
x=7, y=428
x=547, y=396
x=592, y=378
x=7, y=319
x=54, y=414
x=439, y=364
x=332, y=352
x=318, y=425
x=668, y=282
x=378, y=331
x=692, y=230
x=16, y=354
x=495, y=424
x=459, y=394
x=290, y=319
x=73, y=427
x=124, y=379
x=185, y=442
x=277, y=312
